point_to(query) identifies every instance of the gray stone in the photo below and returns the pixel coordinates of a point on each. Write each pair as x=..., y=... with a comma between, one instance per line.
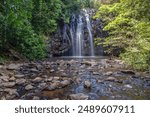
x=37, y=79
x=64, y=74
x=108, y=73
x=87, y=84
x=11, y=91
x=42, y=85
x=65, y=83
x=13, y=66
x=19, y=76
x=78, y=80
x=29, y=87
x=9, y=84
x=128, y=86
x=56, y=78
x=4, y=78
x=95, y=73
x=20, y=81
x=100, y=81
x=12, y=79
x=52, y=70
x=49, y=79
x=10, y=97
x=79, y=96
x=34, y=70
x=54, y=85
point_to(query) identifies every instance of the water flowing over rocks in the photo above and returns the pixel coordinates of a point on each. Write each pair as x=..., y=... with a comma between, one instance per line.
x=72, y=78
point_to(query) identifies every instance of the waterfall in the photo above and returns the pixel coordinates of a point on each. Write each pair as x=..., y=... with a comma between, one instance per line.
x=90, y=33
x=79, y=32
x=79, y=37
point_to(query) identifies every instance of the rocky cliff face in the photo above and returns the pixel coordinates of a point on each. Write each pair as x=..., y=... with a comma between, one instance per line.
x=61, y=41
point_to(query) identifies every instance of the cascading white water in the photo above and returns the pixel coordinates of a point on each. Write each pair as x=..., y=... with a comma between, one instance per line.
x=79, y=30
x=72, y=34
x=79, y=37
x=90, y=33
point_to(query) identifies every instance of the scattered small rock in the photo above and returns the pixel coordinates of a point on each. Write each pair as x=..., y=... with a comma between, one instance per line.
x=78, y=80
x=4, y=78
x=29, y=87
x=95, y=73
x=42, y=86
x=100, y=81
x=56, y=78
x=9, y=84
x=79, y=96
x=108, y=73
x=11, y=91
x=20, y=81
x=55, y=84
x=13, y=66
x=52, y=70
x=37, y=79
x=65, y=83
x=19, y=76
x=34, y=70
x=64, y=74
x=87, y=84
x=12, y=78
x=49, y=79
x=128, y=86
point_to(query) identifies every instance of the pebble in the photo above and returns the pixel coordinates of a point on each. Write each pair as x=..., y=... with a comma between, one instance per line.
x=37, y=79
x=108, y=73
x=55, y=84
x=52, y=70
x=12, y=78
x=65, y=83
x=29, y=87
x=19, y=76
x=4, y=78
x=56, y=78
x=9, y=84
x=42, y=85
x=20, y=81
x=13, y=67
x=128, y=86
x=11, y=91
x=87, y=84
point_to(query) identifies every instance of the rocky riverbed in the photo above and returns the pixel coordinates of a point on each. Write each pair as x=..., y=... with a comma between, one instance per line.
x=72, y=79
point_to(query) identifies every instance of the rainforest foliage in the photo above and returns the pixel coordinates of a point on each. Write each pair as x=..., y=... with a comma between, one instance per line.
x=24, y=24
x=128, y=23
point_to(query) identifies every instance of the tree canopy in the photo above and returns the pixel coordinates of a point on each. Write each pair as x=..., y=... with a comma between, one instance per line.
x=24, y=22
x=128, y=23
